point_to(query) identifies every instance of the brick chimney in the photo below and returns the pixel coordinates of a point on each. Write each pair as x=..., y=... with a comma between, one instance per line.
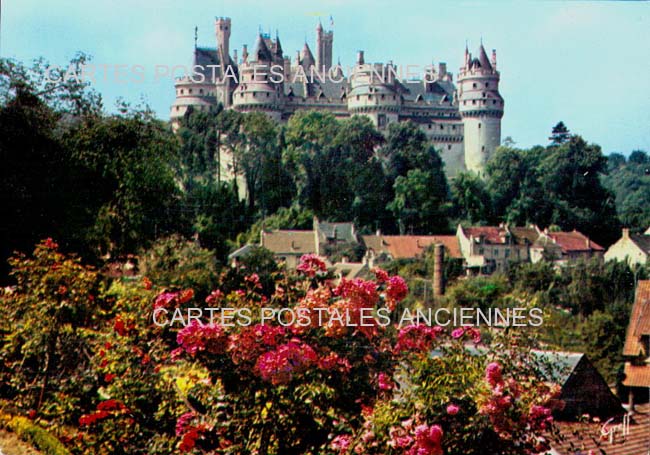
x=438, y=270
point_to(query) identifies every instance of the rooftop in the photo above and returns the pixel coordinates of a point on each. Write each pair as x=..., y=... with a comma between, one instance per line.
x=411, y=246
x=639, y=321
x=289, y=242
x=574, y=241
x=578, y=438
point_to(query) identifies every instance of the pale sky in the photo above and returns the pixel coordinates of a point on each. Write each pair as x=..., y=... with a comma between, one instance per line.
x=586, y=63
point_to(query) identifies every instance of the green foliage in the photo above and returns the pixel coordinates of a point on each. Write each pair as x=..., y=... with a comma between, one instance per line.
x=560, y=134
x=179, y=263
x=629, y=181
x=471, y=199
x=558, y=185
x=420, y=186
x=127, y=166
x=480, y=292
x=35, y=435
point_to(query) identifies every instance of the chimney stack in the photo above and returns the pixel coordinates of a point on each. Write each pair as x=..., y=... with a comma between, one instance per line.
x=438, y=270
x=626, y=233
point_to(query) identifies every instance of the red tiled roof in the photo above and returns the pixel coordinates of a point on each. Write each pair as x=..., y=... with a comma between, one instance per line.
x=412, y=246
x=574, y=241
x=639, y=320
x=578, y=438
x=492, y=234
x=637, y=375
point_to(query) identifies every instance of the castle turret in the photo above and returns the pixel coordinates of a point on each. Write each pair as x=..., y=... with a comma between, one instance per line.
x=197, y=90
x=324, y=42
x=260, y=87
x=481, y=108
x=222, y=27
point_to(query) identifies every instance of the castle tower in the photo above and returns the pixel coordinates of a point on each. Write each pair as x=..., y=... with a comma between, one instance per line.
x=324, y=42
x=222, y=28
x=260, y=89
x=481, y=108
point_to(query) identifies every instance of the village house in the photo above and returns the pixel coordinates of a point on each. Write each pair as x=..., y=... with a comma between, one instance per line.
x=564, y=247
x=383, y=248
x=288, y=246
x=631, y=248
x=637, y=347
x=489, y=249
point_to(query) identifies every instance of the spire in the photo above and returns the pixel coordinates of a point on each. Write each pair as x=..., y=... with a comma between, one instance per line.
x=319, y=27
x=278, y=46
x=262, y=52
x=307, y=57
x=483, y=58
x=196, y=36
x=494, y=59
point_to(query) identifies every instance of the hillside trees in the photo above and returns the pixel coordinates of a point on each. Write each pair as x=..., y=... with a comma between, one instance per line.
x=417, y=174
x=629, y=180
x=560, y=185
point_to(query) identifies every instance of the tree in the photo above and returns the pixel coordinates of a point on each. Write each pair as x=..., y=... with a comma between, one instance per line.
x=43, y=320
x=127, y=164
x=419, y=183
x=559, y=134
x=39, y=177
x=471, y=199
x=175, y=262
x=570, y=175
x=638, y=157
x=419, y=203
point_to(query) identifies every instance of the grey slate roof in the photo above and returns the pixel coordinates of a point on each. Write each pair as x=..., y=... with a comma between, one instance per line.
x=642, y=241
x=343, y=232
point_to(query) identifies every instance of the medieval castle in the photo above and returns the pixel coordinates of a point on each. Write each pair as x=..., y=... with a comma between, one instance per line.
x=462, y=120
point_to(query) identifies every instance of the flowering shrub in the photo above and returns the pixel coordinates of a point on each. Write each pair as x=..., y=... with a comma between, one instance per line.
x=342, y=383
x=331, y=387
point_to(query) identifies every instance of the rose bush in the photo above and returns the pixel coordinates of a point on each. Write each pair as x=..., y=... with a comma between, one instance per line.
x=336, y=385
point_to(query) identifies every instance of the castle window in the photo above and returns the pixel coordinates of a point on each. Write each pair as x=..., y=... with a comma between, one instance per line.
x=442, y=127
x=201, y=91
x=429, y=126
x=479, y=126
x=268, y=94
x=487, y=84
x=474, y=85
x=448, y=146
x=453, y=127
x=494, y=101
x=369, y=97
x=182, y=92
x=382, y=96
x=357, y=97
x=190, y=91
x=482, y=148
x=473, y=101
x=393, y=96
x=483, y=94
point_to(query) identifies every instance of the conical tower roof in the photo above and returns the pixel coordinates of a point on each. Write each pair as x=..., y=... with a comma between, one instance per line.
x=306, y=57
x=262, y=52
x=483, y=58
